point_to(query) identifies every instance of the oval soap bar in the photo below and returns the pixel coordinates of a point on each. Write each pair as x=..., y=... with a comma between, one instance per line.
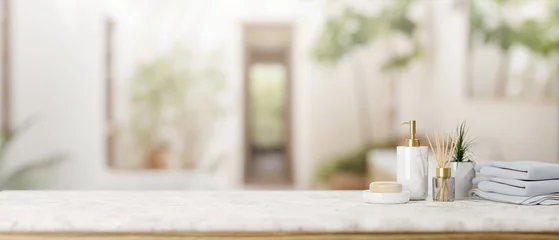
x=385, y=187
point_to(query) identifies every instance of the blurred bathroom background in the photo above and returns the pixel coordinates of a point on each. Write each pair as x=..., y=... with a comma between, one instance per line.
x=266, y=94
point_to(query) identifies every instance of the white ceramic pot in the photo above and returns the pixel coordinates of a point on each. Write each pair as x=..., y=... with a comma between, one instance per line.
x=463, y=173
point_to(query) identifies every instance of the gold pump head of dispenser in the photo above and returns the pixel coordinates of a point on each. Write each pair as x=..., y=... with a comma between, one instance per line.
x=412, y=141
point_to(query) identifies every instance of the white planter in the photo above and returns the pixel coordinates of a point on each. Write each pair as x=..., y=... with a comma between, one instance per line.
x=463, y=173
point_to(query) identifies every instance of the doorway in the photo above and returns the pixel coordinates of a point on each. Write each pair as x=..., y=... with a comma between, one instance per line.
x=267, y=94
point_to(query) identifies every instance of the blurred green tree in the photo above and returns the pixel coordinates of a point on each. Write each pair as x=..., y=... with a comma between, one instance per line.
x=175, y=100
x=540, y=36
x=346, y=33
x=343, y=34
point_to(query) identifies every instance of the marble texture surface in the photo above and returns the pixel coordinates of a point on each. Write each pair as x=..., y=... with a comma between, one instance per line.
x=274, y=211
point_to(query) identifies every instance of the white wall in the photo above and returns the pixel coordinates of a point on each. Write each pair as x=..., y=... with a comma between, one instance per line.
x=148, y=29
x=59, y=74
x=505, y=130
x=57, y=80
x=1, y=68
x=58, y=77
x=327, y=112
x=326, y=117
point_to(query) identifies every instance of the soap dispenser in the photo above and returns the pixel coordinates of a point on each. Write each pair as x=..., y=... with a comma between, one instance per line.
x=412, y=165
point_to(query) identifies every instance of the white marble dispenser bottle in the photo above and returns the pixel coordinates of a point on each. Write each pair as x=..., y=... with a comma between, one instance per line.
x=412, y=166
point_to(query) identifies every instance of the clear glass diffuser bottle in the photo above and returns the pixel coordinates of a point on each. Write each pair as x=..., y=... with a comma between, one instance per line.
x=443, y=186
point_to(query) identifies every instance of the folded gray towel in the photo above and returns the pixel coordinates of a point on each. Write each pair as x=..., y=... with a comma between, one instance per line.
x=520, y=170
x=516, y=187
x=550, y=199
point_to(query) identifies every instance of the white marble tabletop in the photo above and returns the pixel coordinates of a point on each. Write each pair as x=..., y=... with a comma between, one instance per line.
x=251, y=211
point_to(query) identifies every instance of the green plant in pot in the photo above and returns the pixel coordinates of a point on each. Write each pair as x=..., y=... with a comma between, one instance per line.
x=348, y=171
x=174, y=107
x=23, y=176
x=462, y=164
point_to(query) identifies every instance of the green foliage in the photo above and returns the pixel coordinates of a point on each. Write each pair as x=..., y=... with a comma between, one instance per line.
x=396, y=16
x=534, y=36
x=540, y=36
x=174, y=92
x=401, y=61
x=267, y=93
x=6, y=139
x=20, y=174
x=342, y=34
x=504, y=36
x=463, y=146
x=156, y=84
x=352, y=29
x=353, y=162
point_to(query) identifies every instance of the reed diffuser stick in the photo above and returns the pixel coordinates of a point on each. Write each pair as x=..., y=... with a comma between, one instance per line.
x=447, y=149
x=445, y=152
x=430, y=144
x=443, y=149
x=446, y=189
x=439, y=149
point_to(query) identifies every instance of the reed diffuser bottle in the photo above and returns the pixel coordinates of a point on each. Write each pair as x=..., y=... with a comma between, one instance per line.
x=443, y=183
x=443, y=186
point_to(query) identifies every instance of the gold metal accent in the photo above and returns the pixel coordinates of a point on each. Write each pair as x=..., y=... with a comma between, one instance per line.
x=412, y=141
x=443, y=172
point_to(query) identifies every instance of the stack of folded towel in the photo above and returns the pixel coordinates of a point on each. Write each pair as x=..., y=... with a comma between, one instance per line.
x=525, y=183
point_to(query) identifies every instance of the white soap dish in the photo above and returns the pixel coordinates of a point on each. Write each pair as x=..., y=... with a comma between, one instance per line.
x=386, y=198
x=386, y=193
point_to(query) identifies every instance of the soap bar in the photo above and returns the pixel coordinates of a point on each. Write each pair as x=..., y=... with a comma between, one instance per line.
x=385, y=187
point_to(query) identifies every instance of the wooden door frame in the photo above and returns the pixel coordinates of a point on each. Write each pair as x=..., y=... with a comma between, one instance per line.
x=251, y=56
x=110, y=126
x=5, y=105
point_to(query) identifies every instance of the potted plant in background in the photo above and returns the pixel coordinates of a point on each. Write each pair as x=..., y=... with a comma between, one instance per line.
x=462, y=165
x=23, y=177
x=345, y=172
x=174, y=107
x=349, y=171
